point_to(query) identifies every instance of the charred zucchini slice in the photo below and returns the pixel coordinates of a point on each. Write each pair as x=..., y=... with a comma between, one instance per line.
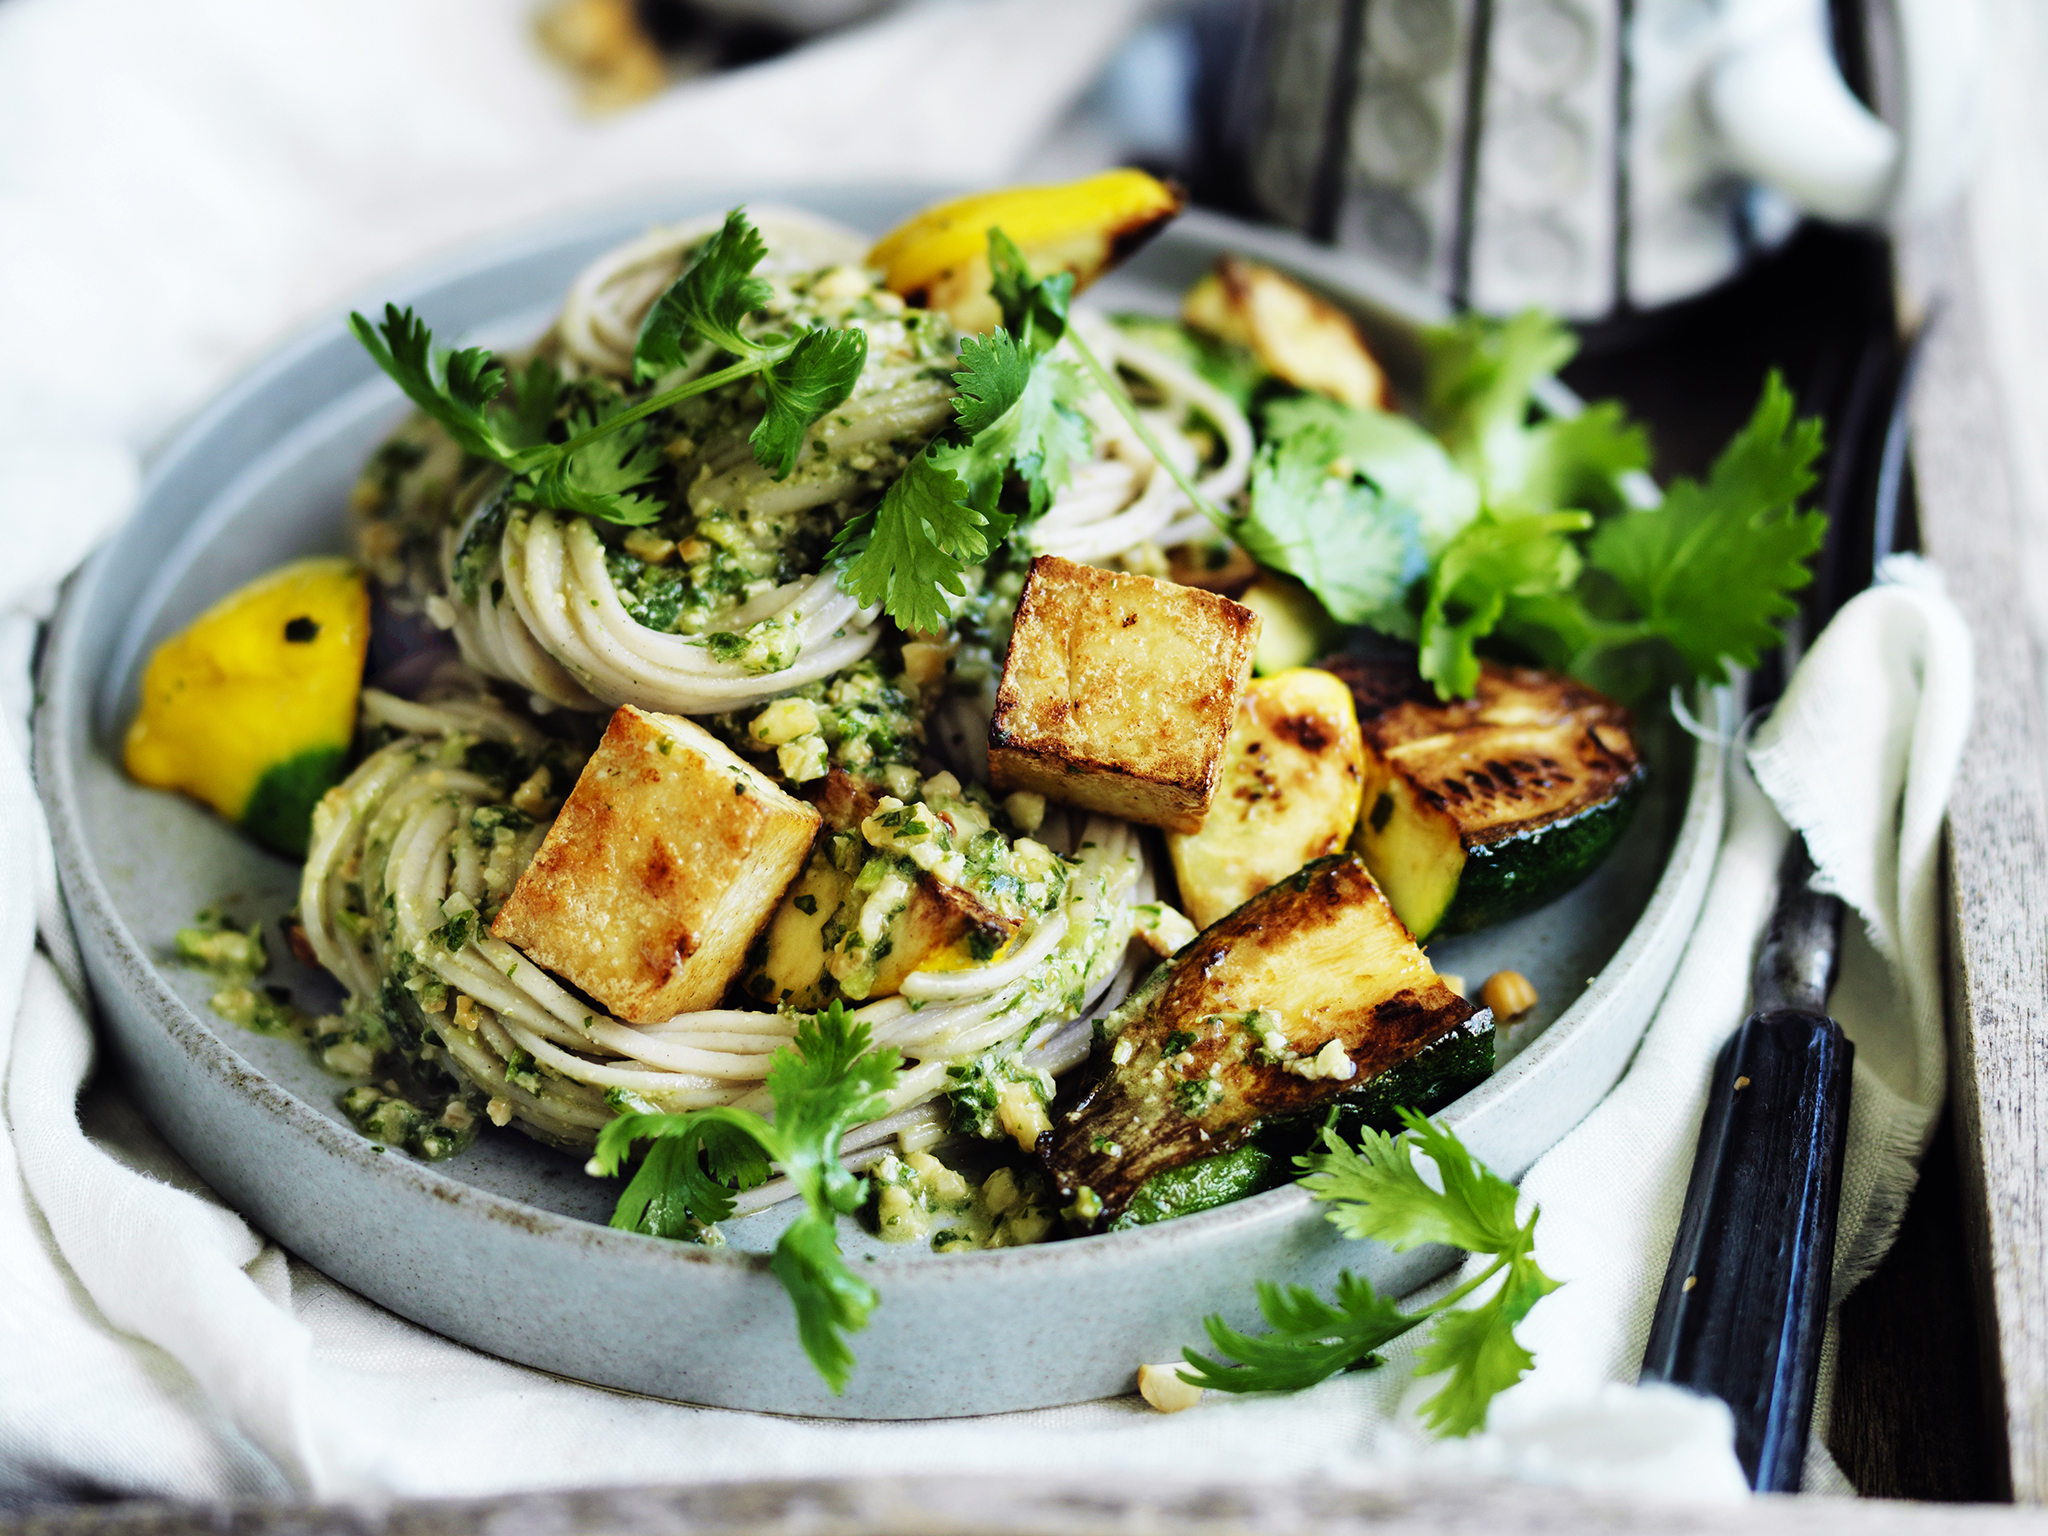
x=1202, y=1185
x=1296, y=1001
x=1288, y=793
x=1445, y=1069
x=1481, y=809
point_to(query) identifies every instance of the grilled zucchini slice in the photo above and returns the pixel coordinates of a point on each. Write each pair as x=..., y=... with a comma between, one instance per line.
x=1481, y=809
x=1442, y=1071
x=1298, y=1000
x=1288, y=793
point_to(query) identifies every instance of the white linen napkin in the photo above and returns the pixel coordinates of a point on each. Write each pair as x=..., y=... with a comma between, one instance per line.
x=175, y=188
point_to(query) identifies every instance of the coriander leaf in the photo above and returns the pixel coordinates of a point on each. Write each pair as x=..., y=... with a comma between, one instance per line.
x=1712, y=570
x=732, y=1156
x=818, y=374
x=595, y=471
x=1558, y=629
x=1395, y=454
x=802, y=377
x=1479, y=377
x=941, y=515
x=1446, y=651
x=1054, y=434
x=706, y=304
x=696, y=1161
x=655, y=1201
x=455, y=393
x=831, y=1301
x=909, y=551
x=992, y=378
x=1478, y=1347
x=1049, y=432
x=1500, y=558
x=1342, y=539
x=1034, y=310
x=536, y=391
x=828, y=1084
x=597, y=479
x=1018, y=412
x=1311, y=1339
x=1376, y=1191
x=829, y=1081
x=1576, y=461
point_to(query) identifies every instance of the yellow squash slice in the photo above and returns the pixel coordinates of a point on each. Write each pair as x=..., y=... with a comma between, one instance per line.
x=253, y=707
x=1297, y=334
x=939, y=258
x=1289, y=793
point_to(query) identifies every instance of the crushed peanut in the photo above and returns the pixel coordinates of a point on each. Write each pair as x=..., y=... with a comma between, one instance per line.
x=1166, y=1389
x=1508, y=994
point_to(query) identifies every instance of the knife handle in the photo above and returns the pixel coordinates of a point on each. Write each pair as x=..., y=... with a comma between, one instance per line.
x=1744, y=1306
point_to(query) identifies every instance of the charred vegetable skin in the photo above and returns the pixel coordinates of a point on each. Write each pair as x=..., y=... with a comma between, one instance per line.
x=1444, y=1070
x=1202, y=1185
x=1241, y=1031
x=1481, y=809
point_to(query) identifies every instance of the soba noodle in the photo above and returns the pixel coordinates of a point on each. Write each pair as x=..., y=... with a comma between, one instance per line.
x=728, y=604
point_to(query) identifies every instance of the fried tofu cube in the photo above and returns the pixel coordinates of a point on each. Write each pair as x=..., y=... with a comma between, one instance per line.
x=1119, y=693
x=665, y=861
x=1302, y=337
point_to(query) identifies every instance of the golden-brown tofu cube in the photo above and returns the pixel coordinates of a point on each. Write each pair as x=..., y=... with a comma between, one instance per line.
x=665, y=861
x=1119, y=692
x=1301, y=336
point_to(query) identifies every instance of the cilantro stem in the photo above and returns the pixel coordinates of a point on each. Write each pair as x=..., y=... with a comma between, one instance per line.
x=1128, y=409
x=667, y=398
x=1446, y=1302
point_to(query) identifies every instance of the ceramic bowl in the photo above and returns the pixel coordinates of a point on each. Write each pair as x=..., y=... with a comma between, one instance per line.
x=504, y=1247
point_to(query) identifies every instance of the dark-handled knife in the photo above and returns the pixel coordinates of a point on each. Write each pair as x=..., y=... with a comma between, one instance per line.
x=1745, y=1301
x=1743, y=1310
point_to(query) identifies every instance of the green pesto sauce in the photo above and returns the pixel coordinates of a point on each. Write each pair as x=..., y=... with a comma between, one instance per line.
x=710, y=557
x=867, y=721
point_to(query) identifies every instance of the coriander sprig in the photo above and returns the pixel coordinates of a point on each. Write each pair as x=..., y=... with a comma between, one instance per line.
x=831, y=1081
x=1375, y=1191
x=1351, y=545
x=595, y=470
x=1018, y=409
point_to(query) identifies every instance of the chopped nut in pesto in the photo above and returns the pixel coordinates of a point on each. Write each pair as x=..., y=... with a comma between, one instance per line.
x=215, y=945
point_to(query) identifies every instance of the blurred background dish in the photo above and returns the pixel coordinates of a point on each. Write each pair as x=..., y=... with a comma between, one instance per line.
x=1599, y=158
x=1593, y=157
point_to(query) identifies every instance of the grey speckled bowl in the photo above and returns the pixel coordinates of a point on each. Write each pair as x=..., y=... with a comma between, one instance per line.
x=504, y=1247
